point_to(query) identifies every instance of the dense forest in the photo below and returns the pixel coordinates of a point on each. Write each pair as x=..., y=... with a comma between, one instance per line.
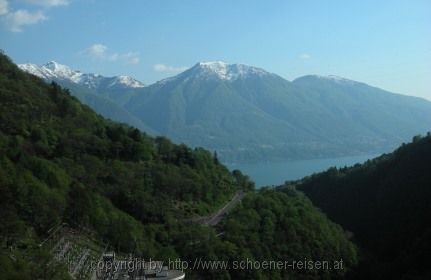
x=386, y=204
x=61, y=162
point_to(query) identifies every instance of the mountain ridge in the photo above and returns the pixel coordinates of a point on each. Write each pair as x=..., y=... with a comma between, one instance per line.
x=54, y=70
x=227, y=71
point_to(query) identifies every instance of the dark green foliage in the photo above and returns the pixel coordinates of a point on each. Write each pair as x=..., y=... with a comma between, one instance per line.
x=386, y=203
x=33, y=264
x=284, y=225
x=243, y=180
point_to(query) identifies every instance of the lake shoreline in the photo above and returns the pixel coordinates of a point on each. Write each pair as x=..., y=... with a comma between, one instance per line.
x=274, y=173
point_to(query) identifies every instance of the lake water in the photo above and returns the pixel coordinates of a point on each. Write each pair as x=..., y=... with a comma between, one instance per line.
x=276, y=173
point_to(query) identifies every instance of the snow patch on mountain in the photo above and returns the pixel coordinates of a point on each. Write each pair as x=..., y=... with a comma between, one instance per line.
x=335, y=78
x=226, y=71
x=53, y=70
x=127, y=81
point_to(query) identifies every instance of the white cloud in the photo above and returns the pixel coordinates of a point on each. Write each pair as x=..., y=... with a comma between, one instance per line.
x=132, y=57
x=167, y=68
x=16, y=20
x=97, y=50
x=49, y=3
x=101, y=52
x=305, y=56
x=4, y=9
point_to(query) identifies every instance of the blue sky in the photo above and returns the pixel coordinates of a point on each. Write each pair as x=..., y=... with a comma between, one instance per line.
x=383, y=43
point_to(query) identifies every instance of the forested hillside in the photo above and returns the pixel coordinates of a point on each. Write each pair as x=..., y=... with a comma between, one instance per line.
x=61, y=162
x=284, y=225
x=105, y=106
x=386, y=204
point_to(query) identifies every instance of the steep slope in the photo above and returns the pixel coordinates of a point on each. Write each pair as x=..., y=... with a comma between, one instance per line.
x=60, y=162
x=273, y=225
x=246, y=113
x=366, y=114
x=105, y=106
x=386, y=203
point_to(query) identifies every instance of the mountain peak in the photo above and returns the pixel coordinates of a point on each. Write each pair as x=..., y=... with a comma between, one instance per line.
x=335, y=78
x=212, y=63
x=127, y=81
x=53, y=64
x=60, y=70
x=225, y=71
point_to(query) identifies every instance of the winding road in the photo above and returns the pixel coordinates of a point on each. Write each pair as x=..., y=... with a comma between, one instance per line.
x=214, y=219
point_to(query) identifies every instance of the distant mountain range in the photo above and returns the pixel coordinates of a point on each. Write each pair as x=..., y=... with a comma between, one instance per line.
x=53, y=70
x=246, y=113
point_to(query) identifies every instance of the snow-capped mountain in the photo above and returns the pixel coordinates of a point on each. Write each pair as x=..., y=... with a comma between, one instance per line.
x=218, y=70
x=59, y=72
x=224, y=71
